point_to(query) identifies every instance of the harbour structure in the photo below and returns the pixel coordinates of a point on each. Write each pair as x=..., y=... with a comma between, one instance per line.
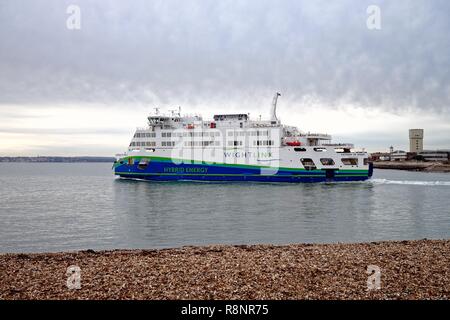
x=233, y=147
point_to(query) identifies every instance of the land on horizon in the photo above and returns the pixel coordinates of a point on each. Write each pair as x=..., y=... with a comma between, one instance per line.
x=56, y=159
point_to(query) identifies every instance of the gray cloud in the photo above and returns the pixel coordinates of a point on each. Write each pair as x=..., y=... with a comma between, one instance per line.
x=145, y=52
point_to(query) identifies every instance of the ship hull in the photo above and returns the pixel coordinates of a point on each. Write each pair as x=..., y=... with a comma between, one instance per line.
x=166, y=170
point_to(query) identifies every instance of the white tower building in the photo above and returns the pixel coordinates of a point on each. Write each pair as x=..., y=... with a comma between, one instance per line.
x=415, y=140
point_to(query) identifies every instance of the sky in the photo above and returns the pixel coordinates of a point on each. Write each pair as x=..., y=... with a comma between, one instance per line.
x=73, y=91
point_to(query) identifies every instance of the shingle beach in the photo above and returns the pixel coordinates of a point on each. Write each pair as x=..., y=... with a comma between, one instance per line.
x=409, y=270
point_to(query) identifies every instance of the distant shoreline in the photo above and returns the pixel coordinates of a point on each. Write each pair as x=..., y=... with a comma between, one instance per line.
x=44, y=159
x=412, y=166
x=408, y=270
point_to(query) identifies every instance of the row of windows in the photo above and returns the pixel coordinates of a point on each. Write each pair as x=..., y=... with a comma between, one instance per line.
x=201, y=143
x=145, y=135
x=248, y=133
x=255, y=143
x=200, y=134
x=172, y=143
x=190, y=134
x=143, y=144
x=263, y=143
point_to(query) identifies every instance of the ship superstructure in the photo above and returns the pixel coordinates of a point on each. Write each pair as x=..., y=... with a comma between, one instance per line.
x=233, y=147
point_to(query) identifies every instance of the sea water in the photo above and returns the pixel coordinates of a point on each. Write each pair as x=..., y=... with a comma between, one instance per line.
x=75, y=206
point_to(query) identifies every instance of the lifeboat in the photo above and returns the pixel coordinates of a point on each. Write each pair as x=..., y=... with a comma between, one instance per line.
x=190, y=126
x=294, y=143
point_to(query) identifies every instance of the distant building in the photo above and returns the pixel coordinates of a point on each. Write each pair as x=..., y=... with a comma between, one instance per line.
x=380, y=156
x=434, y=155
x=415, y=140
x=398, y=155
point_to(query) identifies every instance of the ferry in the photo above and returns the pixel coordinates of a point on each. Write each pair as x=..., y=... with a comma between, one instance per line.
x=233, y=147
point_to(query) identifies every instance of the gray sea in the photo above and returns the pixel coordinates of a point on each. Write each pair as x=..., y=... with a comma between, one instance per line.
x=73, y=206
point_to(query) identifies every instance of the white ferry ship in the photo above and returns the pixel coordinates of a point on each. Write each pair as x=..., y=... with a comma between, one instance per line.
x=232, y=147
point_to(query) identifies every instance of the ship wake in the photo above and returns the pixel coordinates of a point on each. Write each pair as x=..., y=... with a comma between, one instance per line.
x=411, y=182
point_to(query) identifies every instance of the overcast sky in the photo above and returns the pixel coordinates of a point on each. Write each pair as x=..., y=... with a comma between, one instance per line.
x=83, y=92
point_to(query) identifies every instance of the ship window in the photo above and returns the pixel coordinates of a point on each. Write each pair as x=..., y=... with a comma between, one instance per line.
x=327, y=161
x=308, y=163
x=366, y=161
x=320, y=149
x=350, y=161
x=143, y=164
x=167, y=143
x=299, y=149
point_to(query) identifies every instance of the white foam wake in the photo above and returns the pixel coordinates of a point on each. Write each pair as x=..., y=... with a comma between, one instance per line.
x=411, y=182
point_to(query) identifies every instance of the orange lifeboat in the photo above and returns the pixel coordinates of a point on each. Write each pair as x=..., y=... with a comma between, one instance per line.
x=294, y=143
x=190, y=126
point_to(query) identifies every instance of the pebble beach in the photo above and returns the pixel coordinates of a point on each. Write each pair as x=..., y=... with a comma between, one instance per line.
x=408, y=270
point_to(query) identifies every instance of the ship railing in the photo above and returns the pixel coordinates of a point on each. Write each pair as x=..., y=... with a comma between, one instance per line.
x=348, y=145
x=264, y=125
x=323, y=136
x=120, y=155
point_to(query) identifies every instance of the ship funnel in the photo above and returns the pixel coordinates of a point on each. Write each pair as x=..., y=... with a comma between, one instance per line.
x=273, y=112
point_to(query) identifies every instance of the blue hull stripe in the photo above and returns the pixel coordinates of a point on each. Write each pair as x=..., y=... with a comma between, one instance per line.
x=165, y=171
